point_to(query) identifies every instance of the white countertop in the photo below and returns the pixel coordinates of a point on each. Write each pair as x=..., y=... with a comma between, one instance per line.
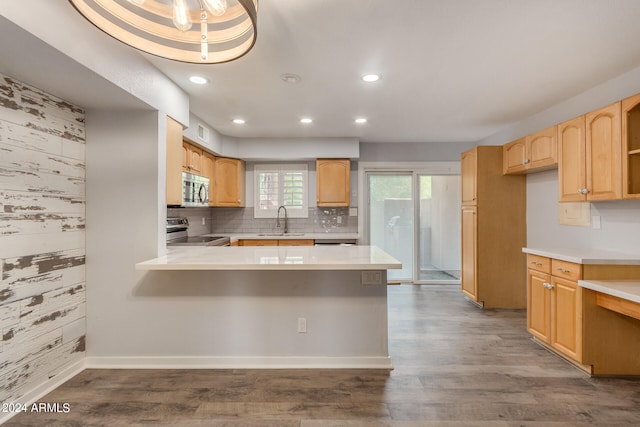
x=625, y=289
x=273, y=258
x=291, y=236
x=586, y=256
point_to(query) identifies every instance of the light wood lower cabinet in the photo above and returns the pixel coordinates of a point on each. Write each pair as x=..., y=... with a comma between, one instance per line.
x=276, y=242
x=554, y=304
x=566, y=317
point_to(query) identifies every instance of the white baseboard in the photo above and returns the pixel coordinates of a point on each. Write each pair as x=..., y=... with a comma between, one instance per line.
x=46, y=387
x=231, y=362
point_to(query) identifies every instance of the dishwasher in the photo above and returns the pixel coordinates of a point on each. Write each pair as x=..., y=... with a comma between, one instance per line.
x=336, y=242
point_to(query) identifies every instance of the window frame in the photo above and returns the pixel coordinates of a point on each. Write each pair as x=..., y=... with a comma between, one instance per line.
x=281, y=170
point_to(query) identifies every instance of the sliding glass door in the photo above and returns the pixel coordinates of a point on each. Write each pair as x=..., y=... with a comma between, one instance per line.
x=390, y=219
x=438, y=229
x=416, y=218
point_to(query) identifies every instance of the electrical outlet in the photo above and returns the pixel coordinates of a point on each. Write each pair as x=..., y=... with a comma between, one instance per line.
x=204, y=221
x=371, y=278
x=302, y=325
x=339, y=219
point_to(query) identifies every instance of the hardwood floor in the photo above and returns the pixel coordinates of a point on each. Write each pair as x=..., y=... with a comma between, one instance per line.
x=455, y=365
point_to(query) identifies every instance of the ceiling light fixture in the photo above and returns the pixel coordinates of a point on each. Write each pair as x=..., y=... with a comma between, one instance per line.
x=360, y=120
x=306, y=120
x=166, y=28
x=239, y=121
x=370, y=78
x=199, y=80
x=290, y=78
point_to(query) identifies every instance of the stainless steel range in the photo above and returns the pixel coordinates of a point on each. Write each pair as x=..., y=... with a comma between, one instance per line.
x=178, y=235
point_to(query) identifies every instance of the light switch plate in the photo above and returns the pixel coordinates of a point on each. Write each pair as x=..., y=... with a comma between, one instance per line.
x=575, y=213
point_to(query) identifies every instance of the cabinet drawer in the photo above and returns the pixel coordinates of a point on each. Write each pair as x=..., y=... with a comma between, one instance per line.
x=539, y=263
x=567, y=270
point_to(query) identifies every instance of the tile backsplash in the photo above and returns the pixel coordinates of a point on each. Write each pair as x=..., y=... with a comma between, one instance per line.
x=241, y=220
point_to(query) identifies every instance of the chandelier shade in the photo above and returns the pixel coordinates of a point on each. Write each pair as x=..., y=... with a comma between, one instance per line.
x=194, y=31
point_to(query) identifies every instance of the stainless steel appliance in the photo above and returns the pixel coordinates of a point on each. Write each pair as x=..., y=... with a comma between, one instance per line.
x=178, y=235
x=195, y=190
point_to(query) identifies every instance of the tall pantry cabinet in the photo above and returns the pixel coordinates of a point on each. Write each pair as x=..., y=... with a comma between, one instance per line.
x=493, y=230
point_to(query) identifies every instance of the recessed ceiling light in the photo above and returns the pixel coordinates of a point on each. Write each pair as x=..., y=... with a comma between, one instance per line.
x=199, y=80
x=290, y=78
x=306, y=120
x=361, y=120
x=370, y=78
x=239, y=121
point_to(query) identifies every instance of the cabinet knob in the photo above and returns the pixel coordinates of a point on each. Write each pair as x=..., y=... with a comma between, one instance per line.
x=548, y=286
x=525, y=162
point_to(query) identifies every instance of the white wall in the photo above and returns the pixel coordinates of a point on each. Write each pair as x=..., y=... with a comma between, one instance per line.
x=412, y=152
x=620, y=219
x=125, y=211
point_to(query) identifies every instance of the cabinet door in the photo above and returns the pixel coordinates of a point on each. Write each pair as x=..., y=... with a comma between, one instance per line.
x=572, y=160
x=333, y=185
x=566, y=318
x=174, y=163
x=296, y=242
x=514, y=157
x=208, y=170
x=229, y=182
x=538, y=302
x=604, y=153
x=468, y=170
x=192, y=158
x=542, y=149
x=469, y=252
x=631, y=147
x=258, y=242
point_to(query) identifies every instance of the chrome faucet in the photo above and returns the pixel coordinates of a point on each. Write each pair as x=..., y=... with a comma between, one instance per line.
x=286, y=228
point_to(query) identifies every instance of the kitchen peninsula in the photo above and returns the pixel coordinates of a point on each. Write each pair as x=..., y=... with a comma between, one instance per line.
x=275, y=306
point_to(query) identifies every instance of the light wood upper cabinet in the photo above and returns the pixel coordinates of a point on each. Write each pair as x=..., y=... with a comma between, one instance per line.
x=209, y=171
x=631, y=147
x=572, y=163
x=174, y=163
x=333, y=185
x=515, y=156
x=543, y=149
x=533, y=153
x=229, y=182
x=468, y=167
x=590, y=156
x=604, y=153
x=192, y=156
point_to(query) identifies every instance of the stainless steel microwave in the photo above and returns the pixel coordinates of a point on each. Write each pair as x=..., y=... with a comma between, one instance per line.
x=195, y=190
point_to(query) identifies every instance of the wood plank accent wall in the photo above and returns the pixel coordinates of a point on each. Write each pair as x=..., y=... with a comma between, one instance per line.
x=42, y=238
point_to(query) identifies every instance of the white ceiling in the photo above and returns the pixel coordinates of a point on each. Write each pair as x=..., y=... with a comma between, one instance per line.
x=453, y=70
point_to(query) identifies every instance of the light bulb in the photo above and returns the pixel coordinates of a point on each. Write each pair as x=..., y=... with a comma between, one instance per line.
x=215, y=7
x=136, y=2
x=181, y=18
